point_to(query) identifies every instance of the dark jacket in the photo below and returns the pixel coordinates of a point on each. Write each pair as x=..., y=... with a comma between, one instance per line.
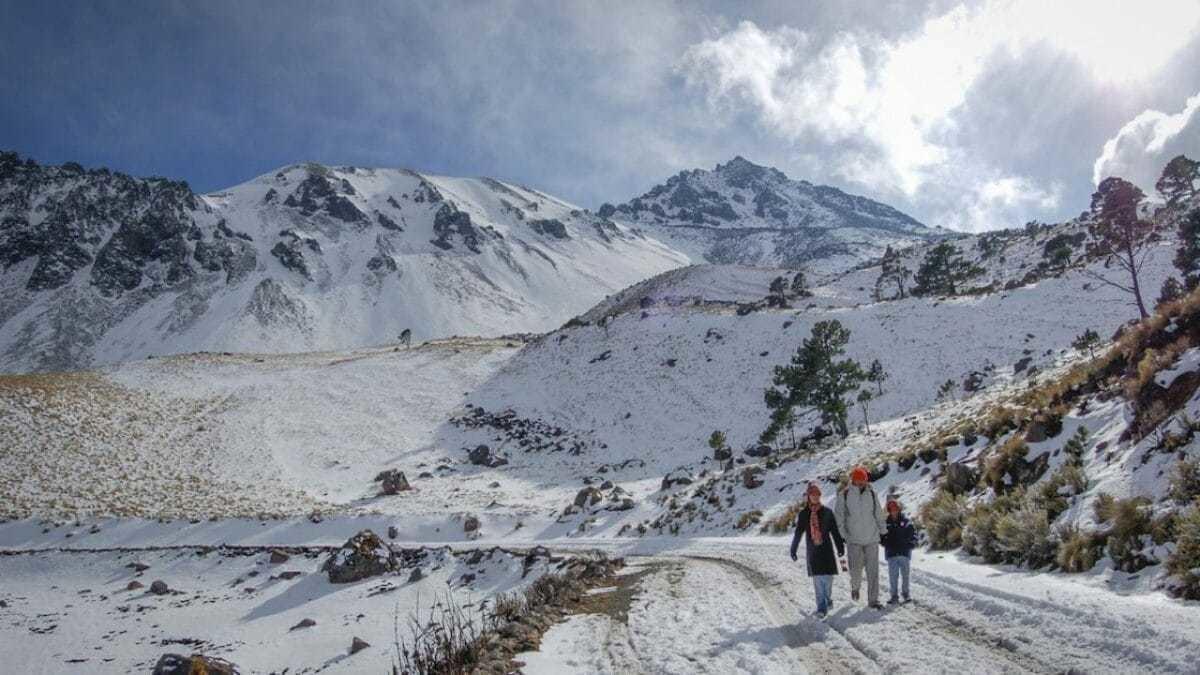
x=820, y=558
x=900, y=539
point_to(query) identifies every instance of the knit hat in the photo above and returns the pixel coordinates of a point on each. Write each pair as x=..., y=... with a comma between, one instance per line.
x=859, y=473
x=813, y=488
x=892, y=502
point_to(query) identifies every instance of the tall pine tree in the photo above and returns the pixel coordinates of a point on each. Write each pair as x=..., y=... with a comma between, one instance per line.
x=1187, y=258
x=943, y=271
x=1120, y=234
x=815, y=380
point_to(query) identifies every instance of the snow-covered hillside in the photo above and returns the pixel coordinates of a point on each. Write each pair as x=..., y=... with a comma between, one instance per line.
x=743, y=213
x=98, y=267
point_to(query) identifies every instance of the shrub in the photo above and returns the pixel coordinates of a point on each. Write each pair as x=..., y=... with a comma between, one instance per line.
x=1054, y=495
x=1004, y=462
x=979, y=532
x=942, y=519
x=1023, y=536
x=751, y=518
x=1130, y=522
x=1184, y=561
x=1078, y=550
x=1077, y=445
x=1103, y=507
x=1185, y=481
x=1163, y=528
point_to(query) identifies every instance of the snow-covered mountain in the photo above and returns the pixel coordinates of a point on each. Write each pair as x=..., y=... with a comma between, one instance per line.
x=743, y=213
x=98, y=267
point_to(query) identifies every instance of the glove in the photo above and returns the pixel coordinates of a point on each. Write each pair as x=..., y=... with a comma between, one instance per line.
x=842, y=562
x=794, y=558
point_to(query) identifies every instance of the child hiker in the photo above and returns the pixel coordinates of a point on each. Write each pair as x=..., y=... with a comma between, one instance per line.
x=898, y=544
x=817, y=525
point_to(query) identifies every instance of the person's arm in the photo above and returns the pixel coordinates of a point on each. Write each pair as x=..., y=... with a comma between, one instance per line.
x=880, y=516
x=799, y=533
x=838, y=542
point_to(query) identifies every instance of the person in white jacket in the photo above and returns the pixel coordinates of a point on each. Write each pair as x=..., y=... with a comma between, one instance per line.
x=862, y=522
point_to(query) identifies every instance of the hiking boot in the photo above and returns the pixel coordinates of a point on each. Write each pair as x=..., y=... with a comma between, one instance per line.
x=821, y=615
x=895, y=601
x=854, y=595
x=875, y=605
x=907, y=599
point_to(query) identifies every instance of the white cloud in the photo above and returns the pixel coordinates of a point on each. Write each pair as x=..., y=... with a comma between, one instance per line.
x=890, y=104
x=1146, y=143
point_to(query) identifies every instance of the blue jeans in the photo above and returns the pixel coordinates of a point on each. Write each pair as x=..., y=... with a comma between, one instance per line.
x=823, y=585
x=898, y=566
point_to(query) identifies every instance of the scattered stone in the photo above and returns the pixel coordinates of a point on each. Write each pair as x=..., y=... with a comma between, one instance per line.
x=759, y=451
x=279, y=557
x=471, y=524
x=357, y=645
x=752, y=477
x=494, y=484
x=159, y=587
x=304, y=623
x=393, y=532
x=623, y=505
x=363, y=556
x=483, y=455
x=138, y=567
x=416, y=575
x=134, y=585
x=394, y=482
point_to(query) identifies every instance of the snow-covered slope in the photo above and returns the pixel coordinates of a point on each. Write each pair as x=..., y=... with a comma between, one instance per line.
x=98, y=267
x=743, y=213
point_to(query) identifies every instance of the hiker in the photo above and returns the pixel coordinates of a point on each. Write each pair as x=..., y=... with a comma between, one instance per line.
x=820, y=526
x=862, y=522
x=898, y=544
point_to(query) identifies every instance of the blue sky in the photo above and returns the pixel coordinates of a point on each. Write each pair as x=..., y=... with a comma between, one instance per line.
x=971, y=115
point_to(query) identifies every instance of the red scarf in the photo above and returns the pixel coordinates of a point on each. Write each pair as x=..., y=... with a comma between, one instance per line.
x=814, y=525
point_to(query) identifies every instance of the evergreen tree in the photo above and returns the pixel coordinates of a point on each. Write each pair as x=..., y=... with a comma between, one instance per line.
x=946, y=389
x=1171, y=290
x=800, y=286
x=1120, y=234
x=1187, y=258
x=815, y=380
x=1180, y=180
x=864, y=401
x=942, y=271
x=1087, y=340
x=892, y=271
x=720, y=450
x=878, y=375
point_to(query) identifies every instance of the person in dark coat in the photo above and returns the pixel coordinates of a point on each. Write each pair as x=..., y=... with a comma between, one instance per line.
x=817, y=525
x=898, y=543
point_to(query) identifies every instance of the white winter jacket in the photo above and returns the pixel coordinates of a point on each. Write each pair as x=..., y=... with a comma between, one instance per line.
x=859, y=515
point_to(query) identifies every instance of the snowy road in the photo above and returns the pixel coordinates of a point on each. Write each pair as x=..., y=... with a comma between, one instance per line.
x=745, y=608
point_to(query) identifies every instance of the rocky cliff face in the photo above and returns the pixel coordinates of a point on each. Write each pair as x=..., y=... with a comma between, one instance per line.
x=748, y=214
x=97, y=266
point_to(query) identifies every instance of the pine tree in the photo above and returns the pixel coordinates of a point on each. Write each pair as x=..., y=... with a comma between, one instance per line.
x=815, y=380
x=800, y=286
x=1180, y=180
x=717, y=442
x=892, y=271
x=1171, y=290
x=878, y=375
x=1119, y=233
x=864, y=401
x=942, y=271
x=1087, y=340
x=946, y=389
x=1187, y=258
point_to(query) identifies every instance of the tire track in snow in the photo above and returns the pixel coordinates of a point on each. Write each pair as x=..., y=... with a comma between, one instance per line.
x=819, y=658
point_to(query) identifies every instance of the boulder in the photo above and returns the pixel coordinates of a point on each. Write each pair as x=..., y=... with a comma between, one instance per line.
x=159, y=587
x=679, y=476
x=393, y=482
x=471, y=524
x=304, y=623
x=393, y=532
x=363, y=556
x=279, y=557
x=178, y=664
x=759, y=451
x=752, y=477
x=723, y=453
x=357, y=645
x=483, y=455
x=623, y=505
x=588, y=496
x=134, y=585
